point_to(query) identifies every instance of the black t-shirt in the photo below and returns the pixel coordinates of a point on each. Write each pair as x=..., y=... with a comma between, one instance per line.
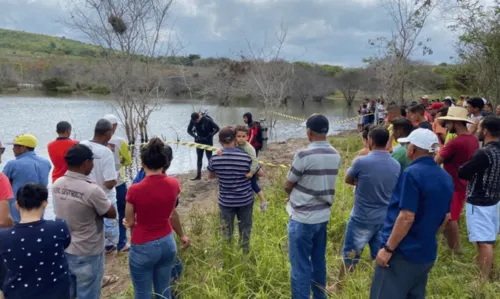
x=203, y=130
x=483, y=173
x=36, y=263
x=425, y=125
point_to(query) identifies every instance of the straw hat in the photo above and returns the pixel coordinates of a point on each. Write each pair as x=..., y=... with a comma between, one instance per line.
x=456, y=114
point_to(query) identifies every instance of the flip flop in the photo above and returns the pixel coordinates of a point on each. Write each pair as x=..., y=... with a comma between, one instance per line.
x=109, y=280
x=124, y=249
x=110, y=249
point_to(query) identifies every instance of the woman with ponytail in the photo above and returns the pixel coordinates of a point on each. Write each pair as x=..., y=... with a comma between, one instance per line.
x=150, y=205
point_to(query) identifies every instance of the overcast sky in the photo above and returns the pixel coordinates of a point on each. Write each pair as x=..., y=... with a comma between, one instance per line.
x=322, y=31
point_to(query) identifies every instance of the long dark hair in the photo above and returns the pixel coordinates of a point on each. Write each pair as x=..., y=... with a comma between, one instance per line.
x=156, y=155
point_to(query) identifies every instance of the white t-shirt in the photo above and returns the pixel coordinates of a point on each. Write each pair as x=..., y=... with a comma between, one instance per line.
x=104, y=167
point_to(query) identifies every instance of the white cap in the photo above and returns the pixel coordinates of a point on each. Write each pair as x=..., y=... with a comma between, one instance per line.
x=111, y=118
x=448, y=98
x=422, y=138
x=485, y=101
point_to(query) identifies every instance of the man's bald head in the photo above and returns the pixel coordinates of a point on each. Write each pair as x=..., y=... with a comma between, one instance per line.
x=102, y=127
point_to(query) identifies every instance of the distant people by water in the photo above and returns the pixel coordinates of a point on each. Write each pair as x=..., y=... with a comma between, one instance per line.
x=371, y=198
x=57, y=149
x=26, y=168
x=311, y=188
x=254, y=132
x=83, y=205
x=453, y=155
x=123, y=158
x=482, y=172
x=203, y=129
x=235, y=189
x=417, y=210
x=105, y=175
x=33, y=250
x=150, y=205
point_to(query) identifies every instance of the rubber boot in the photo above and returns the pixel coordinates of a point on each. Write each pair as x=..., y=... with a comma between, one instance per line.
x=198, y=174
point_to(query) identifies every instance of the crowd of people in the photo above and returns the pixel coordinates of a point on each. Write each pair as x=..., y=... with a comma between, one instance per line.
x=418, y=168
x=94, y=208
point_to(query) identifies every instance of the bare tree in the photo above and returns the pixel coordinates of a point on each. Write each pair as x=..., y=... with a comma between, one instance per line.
x=271, y=75
x=310, y=83
x=132, y=34
x=349, y=83
x=392, y=62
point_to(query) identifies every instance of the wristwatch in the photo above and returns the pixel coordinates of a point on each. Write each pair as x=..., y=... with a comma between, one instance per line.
x=388, y=249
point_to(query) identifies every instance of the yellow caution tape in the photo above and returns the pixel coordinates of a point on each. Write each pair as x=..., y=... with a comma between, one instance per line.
x=335, y=122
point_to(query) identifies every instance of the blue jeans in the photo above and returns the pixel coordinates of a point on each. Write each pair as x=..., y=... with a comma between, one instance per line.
x=111, y=231
x=151, y=265
x=307, y=249
x=121, y=193
x=255, y=185
x=86, y=273
x=357, y=235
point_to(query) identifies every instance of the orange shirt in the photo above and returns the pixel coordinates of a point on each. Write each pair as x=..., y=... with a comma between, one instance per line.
x=57, y=150
x=5, y=188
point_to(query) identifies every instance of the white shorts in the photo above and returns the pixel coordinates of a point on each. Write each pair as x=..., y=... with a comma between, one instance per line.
x=482, y=222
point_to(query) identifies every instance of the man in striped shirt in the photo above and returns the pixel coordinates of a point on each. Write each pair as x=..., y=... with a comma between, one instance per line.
x=311, y=185
x=235, y=190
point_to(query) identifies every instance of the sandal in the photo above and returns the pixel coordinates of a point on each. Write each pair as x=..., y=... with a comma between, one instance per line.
x=110, y=249
x=124, y=249
x=109, y=280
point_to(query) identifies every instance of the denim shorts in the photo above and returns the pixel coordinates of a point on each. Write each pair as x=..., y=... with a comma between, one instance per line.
x=357, y=236
x=482, y=223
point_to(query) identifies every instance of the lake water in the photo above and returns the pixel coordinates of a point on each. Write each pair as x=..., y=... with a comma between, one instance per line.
x=38, y=115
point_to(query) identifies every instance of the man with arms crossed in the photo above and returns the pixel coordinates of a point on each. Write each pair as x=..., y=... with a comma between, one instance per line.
x=311, y=186
x=483, y=193
x=419, y=207
x=83, y=205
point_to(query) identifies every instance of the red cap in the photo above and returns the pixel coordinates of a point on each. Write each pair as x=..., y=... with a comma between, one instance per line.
x=435, y=106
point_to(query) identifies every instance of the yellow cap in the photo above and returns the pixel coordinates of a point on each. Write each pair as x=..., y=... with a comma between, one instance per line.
x=27, y=140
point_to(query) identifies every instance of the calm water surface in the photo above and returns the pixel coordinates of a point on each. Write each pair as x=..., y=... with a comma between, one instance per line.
x=38, y=115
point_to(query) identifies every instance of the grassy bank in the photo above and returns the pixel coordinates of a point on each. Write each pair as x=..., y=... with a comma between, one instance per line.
x=215, y=270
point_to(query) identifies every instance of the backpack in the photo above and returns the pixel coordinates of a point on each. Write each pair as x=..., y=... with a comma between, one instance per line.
x=258, y=138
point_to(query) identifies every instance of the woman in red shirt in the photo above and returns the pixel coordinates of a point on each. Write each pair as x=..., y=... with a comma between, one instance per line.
x=149, y=207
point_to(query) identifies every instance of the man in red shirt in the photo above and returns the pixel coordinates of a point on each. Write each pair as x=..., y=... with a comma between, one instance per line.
x=58, y=149
x=453, y=155
x=253, y=132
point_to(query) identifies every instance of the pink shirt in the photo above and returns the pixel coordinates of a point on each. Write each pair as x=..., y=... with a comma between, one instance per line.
x=5, y=188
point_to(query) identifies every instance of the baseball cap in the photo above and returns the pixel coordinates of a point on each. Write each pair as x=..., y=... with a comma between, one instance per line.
x=422, y=138
x=435, y=106
x=27, y=140
x=77, y=154
x=318, y=123
x=113, y=119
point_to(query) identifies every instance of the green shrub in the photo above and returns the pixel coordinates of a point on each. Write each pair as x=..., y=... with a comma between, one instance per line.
x=64, y=89
x=51, y=84
x=101, y=89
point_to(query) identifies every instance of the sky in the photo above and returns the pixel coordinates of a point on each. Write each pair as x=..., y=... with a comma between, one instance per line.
x=322, y=31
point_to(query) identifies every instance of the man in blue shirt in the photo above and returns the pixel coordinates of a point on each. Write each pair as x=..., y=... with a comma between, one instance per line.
x=26, y=168
x=419, y=207
x=375, y=176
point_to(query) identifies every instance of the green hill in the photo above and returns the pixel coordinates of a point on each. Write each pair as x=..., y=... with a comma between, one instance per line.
x=30, y=43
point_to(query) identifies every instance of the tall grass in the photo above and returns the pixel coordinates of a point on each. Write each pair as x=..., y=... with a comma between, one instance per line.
x=214, y=269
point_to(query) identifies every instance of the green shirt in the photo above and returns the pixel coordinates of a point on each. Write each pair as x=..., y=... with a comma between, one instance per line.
x=248, y=148
x=401, y=157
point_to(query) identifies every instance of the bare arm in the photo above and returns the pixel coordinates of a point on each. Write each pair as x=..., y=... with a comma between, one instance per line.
x=175, y=220
x=129, y=215
x=439, y=160
x=5, y=218
x=111, y=213
x=288, y=187
x=401, y=227
x=110, y=184
x=212, y=175
x=446, y=219
x=350, y=180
